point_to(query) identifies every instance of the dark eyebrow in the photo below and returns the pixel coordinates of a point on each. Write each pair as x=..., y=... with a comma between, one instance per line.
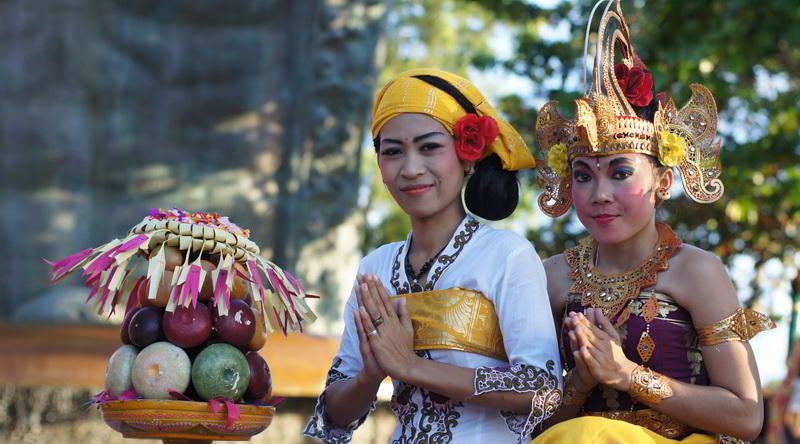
x=580, y=163
x=416, y=139
x=620, y=160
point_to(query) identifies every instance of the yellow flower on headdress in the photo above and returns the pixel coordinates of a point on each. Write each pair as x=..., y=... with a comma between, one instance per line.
x=557, y=159
x=671, y=148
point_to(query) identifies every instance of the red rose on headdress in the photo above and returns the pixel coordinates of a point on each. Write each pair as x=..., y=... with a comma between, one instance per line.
x=473, y=133
x=636, y=83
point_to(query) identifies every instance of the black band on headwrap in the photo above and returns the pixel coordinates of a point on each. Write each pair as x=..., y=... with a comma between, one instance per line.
x=445, y=86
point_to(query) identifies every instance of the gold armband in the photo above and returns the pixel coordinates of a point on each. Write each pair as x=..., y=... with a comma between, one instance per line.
x=740, y=326
x=572, y=396
x=649, y=387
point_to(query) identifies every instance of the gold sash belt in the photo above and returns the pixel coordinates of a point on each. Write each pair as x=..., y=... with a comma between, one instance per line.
x=455, y=319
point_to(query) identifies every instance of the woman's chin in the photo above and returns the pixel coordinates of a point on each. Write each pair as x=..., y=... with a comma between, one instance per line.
x=608, y=233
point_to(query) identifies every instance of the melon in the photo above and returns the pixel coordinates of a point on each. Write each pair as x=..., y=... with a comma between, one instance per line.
x=119, y=370
x=159, y=368
x=220, y=370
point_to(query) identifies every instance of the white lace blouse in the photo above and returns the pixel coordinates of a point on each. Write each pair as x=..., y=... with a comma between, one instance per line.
x=506, y=269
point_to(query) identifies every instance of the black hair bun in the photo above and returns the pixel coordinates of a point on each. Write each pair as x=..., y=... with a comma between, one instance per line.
x=492, y=192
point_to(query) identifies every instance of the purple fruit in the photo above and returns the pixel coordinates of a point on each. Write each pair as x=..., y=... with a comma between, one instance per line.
x=260, y=377
x=238, y=326
x=145, y=326
x=187, y=327
x=126, y=322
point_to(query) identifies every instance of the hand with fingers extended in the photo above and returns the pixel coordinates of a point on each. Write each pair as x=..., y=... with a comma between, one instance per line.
x=372, y=373
x=585, y=382
x=387, y=328
x=599, y=349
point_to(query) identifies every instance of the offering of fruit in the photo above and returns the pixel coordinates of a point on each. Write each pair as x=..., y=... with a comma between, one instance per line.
x=187, y=327
x=159, y=368
x=220, y=370
x=238, y=326
x=145, y=326
x=260, y=336
x=120, y=367
x=260, y=378
x=126, y=322
x=207, y=291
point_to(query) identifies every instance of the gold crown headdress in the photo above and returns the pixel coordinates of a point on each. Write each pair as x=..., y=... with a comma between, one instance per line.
x=606, y=122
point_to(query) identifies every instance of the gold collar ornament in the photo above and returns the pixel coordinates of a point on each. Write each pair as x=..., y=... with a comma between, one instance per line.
x=607, y=121
x=611, y=293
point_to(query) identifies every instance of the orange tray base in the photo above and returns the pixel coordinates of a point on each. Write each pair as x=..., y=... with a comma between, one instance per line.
x=183, y=421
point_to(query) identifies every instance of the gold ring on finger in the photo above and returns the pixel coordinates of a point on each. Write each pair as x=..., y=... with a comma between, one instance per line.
x=377, y=321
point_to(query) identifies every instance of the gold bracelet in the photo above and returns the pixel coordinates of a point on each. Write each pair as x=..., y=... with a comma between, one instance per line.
x=649, y=387
x=742, y=325
x=572, y=396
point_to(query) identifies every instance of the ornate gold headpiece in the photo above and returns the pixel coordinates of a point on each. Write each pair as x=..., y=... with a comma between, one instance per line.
x=607, y=122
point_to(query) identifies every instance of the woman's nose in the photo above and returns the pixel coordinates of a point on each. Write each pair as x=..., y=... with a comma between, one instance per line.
x=602, y=192
x=413, y=166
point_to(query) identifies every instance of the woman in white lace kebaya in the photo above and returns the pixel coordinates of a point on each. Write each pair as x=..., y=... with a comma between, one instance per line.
x=457, y=314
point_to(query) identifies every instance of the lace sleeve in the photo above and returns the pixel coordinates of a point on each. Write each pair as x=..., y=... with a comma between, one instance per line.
x=320, y=425
x=522, y=378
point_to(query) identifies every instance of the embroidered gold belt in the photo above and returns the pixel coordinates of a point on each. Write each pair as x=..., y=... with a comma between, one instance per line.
x=657, y=422
x=455, y=319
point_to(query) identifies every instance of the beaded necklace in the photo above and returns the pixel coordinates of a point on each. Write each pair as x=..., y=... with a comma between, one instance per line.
x=423, y=271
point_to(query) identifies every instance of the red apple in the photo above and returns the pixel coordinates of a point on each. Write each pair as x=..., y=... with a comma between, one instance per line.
x=260, y=378
x=126, y=322
x=238, y=326
x=187, y=327
x=145, y=326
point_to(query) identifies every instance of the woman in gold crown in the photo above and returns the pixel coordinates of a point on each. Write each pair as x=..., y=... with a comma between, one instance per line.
x=448, y=313
x=652, y=336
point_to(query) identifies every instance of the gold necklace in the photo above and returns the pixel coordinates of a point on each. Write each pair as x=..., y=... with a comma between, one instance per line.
x=611, y=293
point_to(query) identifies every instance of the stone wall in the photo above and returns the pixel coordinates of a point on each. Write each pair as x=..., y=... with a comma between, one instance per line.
x=255, y=109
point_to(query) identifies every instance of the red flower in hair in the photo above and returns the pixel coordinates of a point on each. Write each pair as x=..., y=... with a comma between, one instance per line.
x=473, y=133
x=636, y=83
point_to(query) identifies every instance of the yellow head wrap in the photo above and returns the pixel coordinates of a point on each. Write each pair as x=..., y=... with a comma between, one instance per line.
x=407, y=94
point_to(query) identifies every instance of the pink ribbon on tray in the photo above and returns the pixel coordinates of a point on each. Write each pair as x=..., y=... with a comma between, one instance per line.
x=232, y=410
x=104, y=397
